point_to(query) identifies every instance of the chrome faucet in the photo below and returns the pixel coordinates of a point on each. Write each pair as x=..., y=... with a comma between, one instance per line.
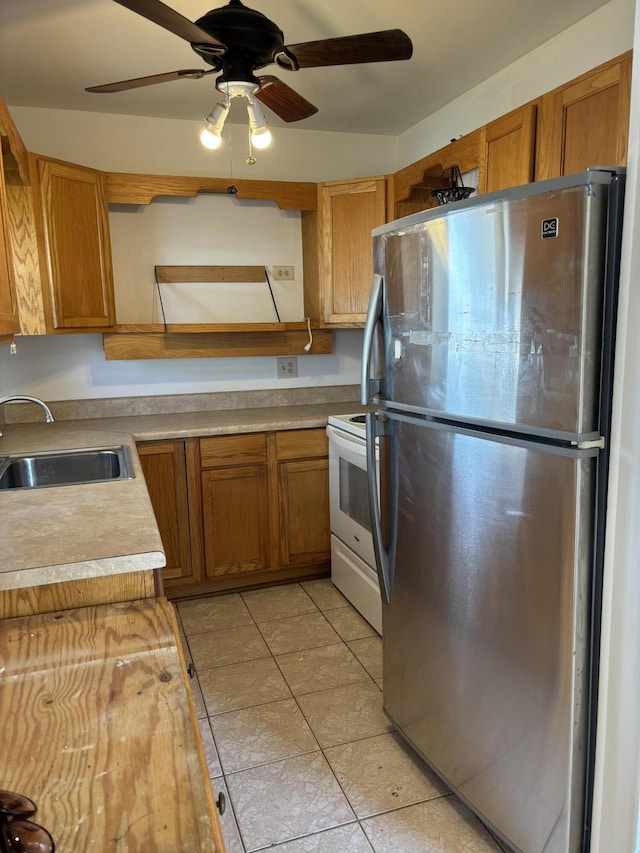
x=24, y=398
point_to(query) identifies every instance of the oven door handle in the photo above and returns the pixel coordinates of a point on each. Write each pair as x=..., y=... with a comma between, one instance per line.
x=383, y=563
x=344, y=441
x=370, y=387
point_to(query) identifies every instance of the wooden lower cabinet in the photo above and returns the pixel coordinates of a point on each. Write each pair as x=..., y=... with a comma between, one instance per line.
x=239, y=511
x=164, y=464
x=235, y=511
x=303, y=497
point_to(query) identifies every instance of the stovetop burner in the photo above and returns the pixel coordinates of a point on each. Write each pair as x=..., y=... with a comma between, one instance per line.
x=358, y=419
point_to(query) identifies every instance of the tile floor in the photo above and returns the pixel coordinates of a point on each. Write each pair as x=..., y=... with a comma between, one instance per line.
x=288, y=692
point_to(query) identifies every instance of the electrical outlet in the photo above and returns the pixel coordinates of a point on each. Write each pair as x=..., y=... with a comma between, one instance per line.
x=283, y=274
x=287, y=367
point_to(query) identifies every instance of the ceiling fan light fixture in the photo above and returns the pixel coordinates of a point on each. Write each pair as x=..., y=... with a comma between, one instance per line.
x=260, y=133
x=211, y=136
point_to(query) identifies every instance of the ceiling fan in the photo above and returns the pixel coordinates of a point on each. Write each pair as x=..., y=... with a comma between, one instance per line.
x=237, y=41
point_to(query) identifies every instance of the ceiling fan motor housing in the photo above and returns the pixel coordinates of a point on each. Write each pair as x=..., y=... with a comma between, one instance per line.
x=250, y=37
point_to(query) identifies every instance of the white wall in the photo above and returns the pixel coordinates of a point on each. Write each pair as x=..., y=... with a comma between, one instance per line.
x=213, y=230
x=70, y=367
x=617, y=789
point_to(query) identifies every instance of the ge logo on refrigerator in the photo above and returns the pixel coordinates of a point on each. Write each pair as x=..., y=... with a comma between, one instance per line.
x=550, y=228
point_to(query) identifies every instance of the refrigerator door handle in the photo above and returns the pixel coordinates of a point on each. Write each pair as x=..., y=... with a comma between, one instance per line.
x=370, y=387
x=383, y=563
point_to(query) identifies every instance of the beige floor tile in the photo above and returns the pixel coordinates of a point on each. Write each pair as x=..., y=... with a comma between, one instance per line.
x=298, y=632
x=209, y=614
x=278, y=602
x=344, y=839
x=349, y=623
x=228, y=823
x=210, y=751
x=325, y=594
x=287, y=799
x=227, y=645
x=343, y=714
x=381, y=773
x=369, y=652
x=262, y=734
x=241, y=685
x=318, y=669
x=438, y=826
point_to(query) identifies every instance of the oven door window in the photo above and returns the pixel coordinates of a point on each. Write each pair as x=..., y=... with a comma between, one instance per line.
x=354, y=495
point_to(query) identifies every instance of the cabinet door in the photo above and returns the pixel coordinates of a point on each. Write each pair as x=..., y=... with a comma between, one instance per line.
x=350, y=210
x=304, y=511
x=235, y=514
x=164, y=467
x=509, y=147
x=9, y=322
x=586, y=122
x=303, y=497
x=73, y=224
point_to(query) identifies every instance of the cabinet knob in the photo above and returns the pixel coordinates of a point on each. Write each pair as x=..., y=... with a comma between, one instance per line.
x=221, y=803
x=191, y=670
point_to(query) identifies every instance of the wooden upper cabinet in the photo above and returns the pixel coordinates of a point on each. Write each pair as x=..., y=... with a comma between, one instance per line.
x=13, y=170
x=509, y=150
x=9, y=322
x=586, y=122
x=73, y=229
x=411, y=188
x=348, y=211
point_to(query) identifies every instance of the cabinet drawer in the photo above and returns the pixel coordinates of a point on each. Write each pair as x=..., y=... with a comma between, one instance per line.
x=301, y=443
x=223, y=450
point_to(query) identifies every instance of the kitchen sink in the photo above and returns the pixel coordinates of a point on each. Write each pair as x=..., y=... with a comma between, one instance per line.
x=65, y=468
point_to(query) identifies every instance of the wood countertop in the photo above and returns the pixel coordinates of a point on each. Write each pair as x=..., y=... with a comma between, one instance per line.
x=99, y=722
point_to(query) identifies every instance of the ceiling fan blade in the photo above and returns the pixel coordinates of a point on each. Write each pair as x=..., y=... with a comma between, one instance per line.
x=171, y=20
x=283, y=100
x=384, y=46
x=138, y=82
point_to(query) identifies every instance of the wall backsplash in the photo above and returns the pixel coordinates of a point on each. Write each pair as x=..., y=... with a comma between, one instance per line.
x=66, y=410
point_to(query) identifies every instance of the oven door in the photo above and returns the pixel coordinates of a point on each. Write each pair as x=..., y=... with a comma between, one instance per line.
x=349, y=500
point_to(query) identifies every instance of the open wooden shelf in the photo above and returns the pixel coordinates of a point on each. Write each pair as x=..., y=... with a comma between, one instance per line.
x=155, y=340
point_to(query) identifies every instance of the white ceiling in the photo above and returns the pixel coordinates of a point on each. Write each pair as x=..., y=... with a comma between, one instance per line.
x=50, y=50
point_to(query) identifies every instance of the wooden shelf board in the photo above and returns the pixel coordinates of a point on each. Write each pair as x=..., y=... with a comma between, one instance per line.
x=250, y=341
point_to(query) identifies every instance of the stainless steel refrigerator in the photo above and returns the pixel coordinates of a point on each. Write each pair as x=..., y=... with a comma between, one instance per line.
x=488, y=352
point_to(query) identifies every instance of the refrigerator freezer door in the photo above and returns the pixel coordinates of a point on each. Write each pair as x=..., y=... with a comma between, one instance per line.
x=492, y=311
x=486, y=637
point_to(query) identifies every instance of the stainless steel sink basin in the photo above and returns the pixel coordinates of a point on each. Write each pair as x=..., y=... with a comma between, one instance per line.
x=65, y=468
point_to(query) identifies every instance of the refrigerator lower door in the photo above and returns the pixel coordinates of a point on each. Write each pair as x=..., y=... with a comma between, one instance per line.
x=485, y=641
